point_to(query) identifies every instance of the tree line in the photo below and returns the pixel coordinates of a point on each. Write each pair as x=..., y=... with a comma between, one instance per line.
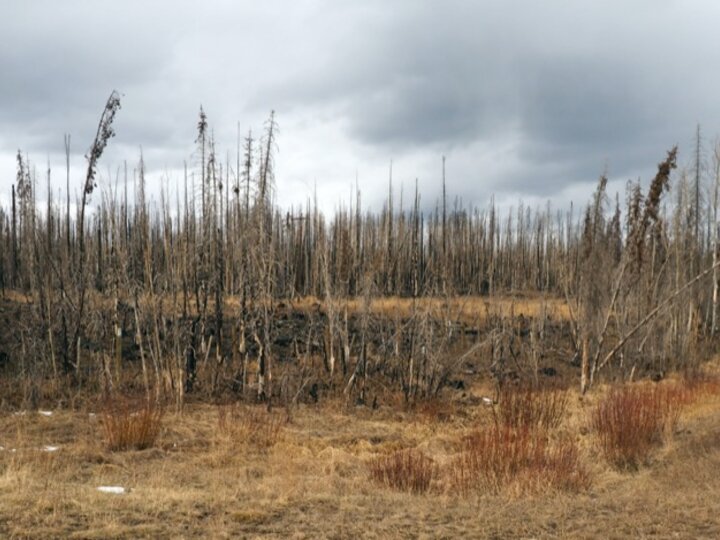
x=201, y=277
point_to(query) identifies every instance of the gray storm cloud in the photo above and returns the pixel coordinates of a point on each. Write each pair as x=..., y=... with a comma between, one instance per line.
x=525, y=98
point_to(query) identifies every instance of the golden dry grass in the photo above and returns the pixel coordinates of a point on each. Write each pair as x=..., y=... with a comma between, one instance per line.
x=314, y=480
x=467, y=309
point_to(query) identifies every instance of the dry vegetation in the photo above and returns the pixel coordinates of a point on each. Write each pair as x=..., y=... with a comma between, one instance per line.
x=406, y=470
x=250, y=426
x=213, y=292
x=519, y=461
x=239, y=371
x=128, y=427
x=532, y=407
x=333, y=472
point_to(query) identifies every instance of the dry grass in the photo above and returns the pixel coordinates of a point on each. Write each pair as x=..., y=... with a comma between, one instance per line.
x=463, y=308
x=250, y=425
x=314, y=481
x=435, y=409
x=701, y=383
x=405, y=470
x=130, y=426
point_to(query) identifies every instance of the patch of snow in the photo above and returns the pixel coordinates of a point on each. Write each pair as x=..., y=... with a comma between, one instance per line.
x=45, y=413
x=488, y=401
x=49, y=448
x=116, y=490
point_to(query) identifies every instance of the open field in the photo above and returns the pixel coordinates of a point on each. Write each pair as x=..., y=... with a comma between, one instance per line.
x=311, y=478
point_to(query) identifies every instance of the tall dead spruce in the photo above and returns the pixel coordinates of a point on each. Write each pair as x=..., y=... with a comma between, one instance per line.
x=104, y=133
x=193, y=291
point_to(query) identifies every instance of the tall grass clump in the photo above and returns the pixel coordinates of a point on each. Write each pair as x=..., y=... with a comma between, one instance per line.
x=248, y=425
x=129, y=426
x=701, y=383
x=532, y=407
x=405, y=470
x=631, y=420
x=523, y=460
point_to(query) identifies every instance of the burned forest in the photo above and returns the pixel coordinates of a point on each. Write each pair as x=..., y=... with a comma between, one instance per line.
x=192, y=359
x=213, y=292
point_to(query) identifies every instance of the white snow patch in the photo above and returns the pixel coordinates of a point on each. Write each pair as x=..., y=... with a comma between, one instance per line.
x=116, y=490
x=50, y=448
x=45, y=413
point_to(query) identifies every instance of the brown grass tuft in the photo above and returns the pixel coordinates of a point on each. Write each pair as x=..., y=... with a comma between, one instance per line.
x=701, y=383
x=404, y=470
x=248, y=425
x=129, y=426
x=436, y=409
x=518, y=459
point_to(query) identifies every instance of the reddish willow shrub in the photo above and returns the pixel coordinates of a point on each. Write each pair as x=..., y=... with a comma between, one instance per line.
x=129, y=426
x=631, y=420
x=523, y=459
x=405, y=470
x=532, y=407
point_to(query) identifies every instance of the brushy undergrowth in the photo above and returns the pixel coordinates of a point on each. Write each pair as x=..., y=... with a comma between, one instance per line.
x=631, y=420
x=130, y=426
x=701, y=383
x=405, y=470
x=531, y=407
x=518, y=459
x=250, y=425
x=436, y=409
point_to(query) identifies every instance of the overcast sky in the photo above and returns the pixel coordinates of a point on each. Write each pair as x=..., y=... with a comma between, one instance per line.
x=528, y=100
